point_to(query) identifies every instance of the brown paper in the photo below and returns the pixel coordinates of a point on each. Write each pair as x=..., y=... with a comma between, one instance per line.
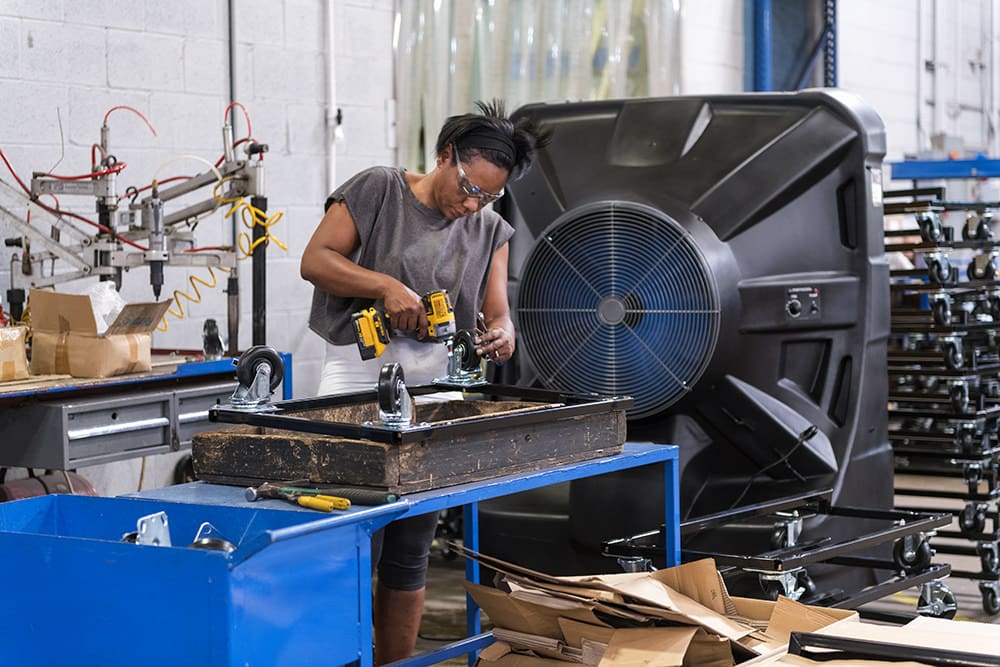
x=13, y=361
x=648, y=647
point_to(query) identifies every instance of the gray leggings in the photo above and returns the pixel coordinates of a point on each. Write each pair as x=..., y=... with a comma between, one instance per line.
x=400, y=552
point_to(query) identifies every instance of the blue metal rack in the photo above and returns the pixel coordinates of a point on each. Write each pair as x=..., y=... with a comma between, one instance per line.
x=918, y=170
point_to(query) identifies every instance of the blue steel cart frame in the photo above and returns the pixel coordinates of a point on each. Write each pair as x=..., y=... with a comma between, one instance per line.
x=354, y=643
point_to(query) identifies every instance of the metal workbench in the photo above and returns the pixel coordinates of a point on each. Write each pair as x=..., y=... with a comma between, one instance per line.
x=64, y=423
x=296, y=590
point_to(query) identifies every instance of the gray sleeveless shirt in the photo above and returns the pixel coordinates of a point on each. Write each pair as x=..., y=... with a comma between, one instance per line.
x=413, y=243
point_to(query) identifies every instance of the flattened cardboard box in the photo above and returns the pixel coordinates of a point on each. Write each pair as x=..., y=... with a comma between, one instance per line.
x=65, y=339
x=13, y=361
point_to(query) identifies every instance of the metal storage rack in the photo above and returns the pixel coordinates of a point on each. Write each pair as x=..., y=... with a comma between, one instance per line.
x=944, y=375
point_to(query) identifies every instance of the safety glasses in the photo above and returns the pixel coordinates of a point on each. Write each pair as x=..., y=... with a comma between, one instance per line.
x=471, y=189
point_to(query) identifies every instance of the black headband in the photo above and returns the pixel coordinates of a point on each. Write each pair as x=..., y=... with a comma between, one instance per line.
x=489, y=140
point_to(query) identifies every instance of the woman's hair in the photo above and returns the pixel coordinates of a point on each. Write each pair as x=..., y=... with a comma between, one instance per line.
x=494, y=137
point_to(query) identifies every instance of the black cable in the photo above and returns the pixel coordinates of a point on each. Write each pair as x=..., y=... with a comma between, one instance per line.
x=802, y=438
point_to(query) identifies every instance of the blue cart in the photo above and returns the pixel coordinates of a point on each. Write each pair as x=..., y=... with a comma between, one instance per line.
x=295, y=590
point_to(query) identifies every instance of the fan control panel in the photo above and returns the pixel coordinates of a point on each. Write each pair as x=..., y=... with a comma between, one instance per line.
x=802, y=303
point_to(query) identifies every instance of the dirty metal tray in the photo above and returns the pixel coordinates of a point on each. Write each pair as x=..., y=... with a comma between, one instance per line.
x=312, y=415
x=494, y=430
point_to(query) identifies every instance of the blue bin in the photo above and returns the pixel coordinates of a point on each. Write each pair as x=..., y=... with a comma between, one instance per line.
x=76, y=593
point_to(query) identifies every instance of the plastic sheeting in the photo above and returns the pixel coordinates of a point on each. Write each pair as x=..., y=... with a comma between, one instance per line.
x=450, y=53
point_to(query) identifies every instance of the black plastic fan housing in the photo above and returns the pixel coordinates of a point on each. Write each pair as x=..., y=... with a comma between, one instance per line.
x=720, y=259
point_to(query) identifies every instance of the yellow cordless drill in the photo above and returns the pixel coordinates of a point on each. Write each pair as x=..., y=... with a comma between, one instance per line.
x=371, y=327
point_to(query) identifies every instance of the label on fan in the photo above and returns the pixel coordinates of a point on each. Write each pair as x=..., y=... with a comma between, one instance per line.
x=802, y=303
x=876, y=176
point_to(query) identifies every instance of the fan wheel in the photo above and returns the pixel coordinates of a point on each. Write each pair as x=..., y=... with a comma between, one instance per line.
x=619, y=299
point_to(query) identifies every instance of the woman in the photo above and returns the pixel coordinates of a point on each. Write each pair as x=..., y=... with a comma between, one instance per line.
x=388, y=237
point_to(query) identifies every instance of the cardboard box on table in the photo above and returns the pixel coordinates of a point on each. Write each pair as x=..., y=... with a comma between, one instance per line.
x=545, y=621
x=65, y=338
x=13, y=360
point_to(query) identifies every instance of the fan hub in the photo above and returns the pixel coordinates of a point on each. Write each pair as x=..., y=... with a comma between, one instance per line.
x=611, y=310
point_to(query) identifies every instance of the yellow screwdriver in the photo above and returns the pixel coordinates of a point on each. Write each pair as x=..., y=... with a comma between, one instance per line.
x=322, y=503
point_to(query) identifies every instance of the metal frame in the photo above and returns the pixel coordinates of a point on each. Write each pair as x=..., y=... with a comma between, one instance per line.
x=282, y=414
x=789, y=559
x=841, y=648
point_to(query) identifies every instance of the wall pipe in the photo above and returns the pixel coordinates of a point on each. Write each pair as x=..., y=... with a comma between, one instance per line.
x=762, y=67
x=233, y=282
x=332, y=116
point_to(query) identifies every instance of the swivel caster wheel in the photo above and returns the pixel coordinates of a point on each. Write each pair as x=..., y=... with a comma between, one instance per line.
x=973, y=518
x=959, y=395
x=390, y=388
x=772, y=589
x=939, y=271
x=249, y=361
x=942, y=312
x=988, y=557
x=991, y=601
x=937, y=601
x=930, y=228
x=953, y=357
x=912, y=553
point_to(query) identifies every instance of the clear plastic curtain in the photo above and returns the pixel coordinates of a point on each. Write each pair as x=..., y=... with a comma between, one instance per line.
x=450, y=53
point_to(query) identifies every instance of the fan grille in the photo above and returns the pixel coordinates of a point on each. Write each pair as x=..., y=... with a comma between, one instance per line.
x=617, y=299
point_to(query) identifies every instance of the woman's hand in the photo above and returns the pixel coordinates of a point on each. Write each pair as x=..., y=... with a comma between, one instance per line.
x=496, y=343
x=405, y=309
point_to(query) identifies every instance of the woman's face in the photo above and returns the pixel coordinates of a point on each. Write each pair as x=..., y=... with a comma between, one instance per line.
x=468, y=186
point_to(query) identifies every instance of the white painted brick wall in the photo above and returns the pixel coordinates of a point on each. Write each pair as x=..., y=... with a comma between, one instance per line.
x=63, y=53
x=169, y=60
x=10, y=57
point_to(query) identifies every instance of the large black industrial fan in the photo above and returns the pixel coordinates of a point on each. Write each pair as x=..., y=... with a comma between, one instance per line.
x=719, y=259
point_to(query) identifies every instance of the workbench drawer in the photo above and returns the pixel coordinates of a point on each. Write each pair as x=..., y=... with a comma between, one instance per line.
x=72, y=433
x=191, y=409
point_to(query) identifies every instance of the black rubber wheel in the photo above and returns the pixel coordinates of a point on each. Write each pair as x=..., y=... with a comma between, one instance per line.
x=995, y=308
x=949, y=601
x=988, y=561
x=807, y=584
x=973, y=271
x=953, y=357
x=772, y=589
x=991, y=605
x=184, y=470
x=983, y=232
x=939, y=271
x=779, y=537
x=246, y=367
x=959, y=395
x=972, y=519
x=913, y=559
x=390, y=383
x=930, y=230
x=942, y=312
x=465, y=349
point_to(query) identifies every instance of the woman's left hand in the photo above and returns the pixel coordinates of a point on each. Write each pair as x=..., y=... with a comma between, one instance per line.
x=496, y=343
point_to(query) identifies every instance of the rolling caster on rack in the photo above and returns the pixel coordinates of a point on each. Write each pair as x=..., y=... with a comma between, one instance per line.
x=936, y=600
x=990, y=592
x=912, y=553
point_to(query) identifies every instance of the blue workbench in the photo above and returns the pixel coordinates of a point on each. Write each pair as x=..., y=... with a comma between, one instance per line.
x=297, y=589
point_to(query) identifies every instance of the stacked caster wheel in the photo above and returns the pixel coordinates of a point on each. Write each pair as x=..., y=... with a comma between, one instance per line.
x=944, y=384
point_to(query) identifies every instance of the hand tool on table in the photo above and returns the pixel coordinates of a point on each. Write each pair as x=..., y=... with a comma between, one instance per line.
x=372, y=327
x=313, y=499
x=356, y=495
